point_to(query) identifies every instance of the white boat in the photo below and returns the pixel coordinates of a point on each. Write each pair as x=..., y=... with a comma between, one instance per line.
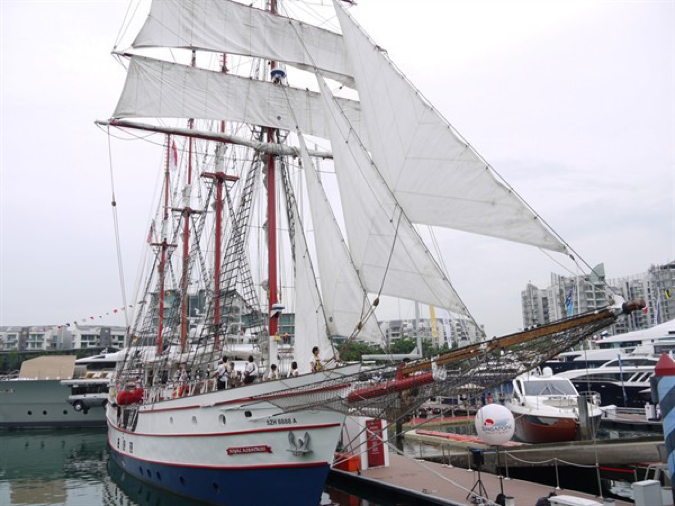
x=49, y=390
x=398, y=164
x=642, y=341
x=546, y=408
x=623, y=381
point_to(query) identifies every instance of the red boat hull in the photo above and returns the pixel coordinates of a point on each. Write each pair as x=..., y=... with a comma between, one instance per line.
x=534, y=429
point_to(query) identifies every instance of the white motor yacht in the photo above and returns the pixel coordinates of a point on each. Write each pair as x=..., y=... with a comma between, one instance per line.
x=546, y=408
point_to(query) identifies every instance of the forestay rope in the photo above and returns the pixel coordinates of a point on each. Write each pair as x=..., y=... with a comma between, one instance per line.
x=118, y=247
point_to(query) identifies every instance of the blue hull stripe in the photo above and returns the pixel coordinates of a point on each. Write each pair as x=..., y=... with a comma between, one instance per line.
x=233, y=487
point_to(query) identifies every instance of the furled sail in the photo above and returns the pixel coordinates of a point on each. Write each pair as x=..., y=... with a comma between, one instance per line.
x=160, y=89
x=225, y=26
x=344, y=298
x=310, y=320
x=436, y=176
x=387, y=251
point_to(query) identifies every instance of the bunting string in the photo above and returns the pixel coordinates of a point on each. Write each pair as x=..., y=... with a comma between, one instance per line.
x=118, y=310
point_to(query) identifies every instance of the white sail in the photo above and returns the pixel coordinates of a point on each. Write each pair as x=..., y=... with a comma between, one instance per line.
x=387, y=251
x=436, y=176
x=345, y=300
x=310, y=320
x=229, y=27
x=159, y=89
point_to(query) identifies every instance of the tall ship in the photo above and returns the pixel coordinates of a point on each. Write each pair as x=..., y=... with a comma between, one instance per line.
x=298, y=161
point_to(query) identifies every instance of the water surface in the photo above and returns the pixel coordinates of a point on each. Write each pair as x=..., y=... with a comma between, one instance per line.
x=71, y=467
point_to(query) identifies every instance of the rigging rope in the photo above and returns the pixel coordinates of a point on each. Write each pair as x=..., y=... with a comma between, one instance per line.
x=118, y=247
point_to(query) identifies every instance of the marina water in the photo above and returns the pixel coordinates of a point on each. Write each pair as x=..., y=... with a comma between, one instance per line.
x=71, y=467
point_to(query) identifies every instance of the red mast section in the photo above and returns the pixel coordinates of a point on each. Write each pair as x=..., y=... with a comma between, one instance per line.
x=187, y=212
x=272, y=218
x=220, y=178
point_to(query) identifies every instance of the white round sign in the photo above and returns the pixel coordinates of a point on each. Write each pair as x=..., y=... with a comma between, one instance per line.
x=495, y=424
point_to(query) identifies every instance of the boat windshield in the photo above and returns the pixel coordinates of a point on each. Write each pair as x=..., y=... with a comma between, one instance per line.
x=550, y=387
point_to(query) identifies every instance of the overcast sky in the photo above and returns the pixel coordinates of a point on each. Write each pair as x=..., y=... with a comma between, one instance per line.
x=573, y=103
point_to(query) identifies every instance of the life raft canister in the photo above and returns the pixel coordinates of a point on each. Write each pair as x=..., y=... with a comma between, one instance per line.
x=130, y=397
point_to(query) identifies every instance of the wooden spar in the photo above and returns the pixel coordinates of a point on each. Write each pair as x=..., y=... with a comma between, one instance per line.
x=522, y=337
x=263, y=147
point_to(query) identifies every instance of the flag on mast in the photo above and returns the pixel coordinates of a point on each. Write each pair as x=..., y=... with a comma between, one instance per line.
x=151, y=232
x=173, y=156
x=569, y=302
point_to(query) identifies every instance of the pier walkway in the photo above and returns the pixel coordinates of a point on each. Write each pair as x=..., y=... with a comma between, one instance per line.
x=426, y=483
x=454, y=450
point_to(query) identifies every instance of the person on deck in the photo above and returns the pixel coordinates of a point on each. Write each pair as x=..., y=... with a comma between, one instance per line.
x=273, y=374
x=222, y=374
x=235, y=376
x=183, y=379
x=251, y=371
x=294, y=370
x=316, y=360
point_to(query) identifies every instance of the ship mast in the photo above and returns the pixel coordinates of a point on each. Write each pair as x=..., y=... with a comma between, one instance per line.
x=186, y=211
x=271, y=218
x=164, y=245
x=220, y=178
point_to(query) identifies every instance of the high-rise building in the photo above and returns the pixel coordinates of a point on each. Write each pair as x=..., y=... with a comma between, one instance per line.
x=565, y=296
x=572, y=295
x=657, y=288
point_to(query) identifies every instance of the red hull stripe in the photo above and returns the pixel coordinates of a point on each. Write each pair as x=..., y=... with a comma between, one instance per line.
x=248, y=399
x=221, y=434
x=195, y=466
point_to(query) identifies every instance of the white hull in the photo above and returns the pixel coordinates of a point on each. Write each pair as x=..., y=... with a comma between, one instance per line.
x=207, y=446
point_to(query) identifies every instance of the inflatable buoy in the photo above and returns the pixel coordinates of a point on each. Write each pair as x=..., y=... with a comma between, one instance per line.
x=495, y=424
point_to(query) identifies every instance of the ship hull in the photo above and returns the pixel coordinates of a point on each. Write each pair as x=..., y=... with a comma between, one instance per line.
x=537, y=429
x=234, y=447
x=272, y=485
x=43, y=403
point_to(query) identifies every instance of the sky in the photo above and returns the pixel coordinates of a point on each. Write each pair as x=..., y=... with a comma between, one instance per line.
x=573, y=103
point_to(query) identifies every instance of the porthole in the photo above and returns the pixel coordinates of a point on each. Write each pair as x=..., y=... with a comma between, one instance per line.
x=248, y=414
x=171, y=419
x=65, y=411
x=159, y=476
x=30, y=413
x=44, y=411
x=149, y=473
x=182, y=480
x=141, y=470
x=222, y=419
x=194, y=420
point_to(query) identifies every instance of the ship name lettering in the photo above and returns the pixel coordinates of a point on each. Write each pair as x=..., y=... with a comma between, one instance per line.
x=281, y=421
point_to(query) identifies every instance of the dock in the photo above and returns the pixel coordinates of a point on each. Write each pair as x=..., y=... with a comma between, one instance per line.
x=630, y=418
x=441, y=421
x=607, y=452
x=430, y=483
